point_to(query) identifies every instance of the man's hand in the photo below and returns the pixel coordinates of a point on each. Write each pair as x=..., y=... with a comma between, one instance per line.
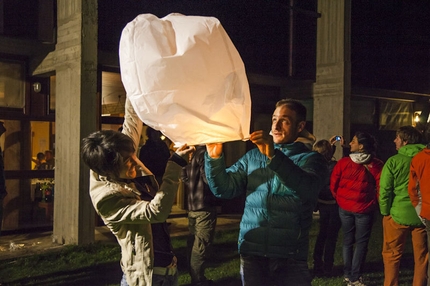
x=214, y=150
x=184, y=151
x=264, y=143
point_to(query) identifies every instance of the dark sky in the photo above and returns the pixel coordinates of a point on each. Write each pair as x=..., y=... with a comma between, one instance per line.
x=259, y=29
x=390, y=38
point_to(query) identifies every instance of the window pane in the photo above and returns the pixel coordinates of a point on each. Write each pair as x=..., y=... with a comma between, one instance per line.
x=12, y=84
x=113, y=95
x=23, y=140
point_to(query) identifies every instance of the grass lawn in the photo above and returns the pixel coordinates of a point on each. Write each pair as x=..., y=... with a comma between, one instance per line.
x=98, y=264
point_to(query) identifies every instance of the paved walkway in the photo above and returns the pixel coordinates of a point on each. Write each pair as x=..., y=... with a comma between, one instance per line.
x=19, y=245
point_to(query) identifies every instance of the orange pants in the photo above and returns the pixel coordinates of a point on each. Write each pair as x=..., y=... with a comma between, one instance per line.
x=392, y=250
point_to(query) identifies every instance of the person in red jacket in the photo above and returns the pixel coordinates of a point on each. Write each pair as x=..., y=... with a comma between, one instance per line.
x=419, y=186
x=355, y=185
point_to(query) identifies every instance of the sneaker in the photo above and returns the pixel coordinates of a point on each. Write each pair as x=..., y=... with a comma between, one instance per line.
x=346, y=279
x=356, y=283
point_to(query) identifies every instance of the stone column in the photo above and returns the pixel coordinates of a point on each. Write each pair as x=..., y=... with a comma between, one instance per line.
x=76, y=115
x=332, y=89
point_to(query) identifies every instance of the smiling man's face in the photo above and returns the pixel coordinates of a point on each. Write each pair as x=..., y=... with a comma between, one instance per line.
x=285, y=128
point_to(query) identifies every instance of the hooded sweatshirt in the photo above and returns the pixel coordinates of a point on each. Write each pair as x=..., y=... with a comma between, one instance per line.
x=394, y=198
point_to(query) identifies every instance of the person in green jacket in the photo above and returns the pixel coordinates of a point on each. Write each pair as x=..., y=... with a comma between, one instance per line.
x=400, y=217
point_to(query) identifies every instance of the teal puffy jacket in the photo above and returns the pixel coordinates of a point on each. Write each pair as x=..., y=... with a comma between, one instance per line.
x=280, y=196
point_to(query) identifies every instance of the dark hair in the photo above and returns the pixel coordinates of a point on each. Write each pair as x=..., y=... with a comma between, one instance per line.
x=427, y=136
x=368, y=142
x=294, y=105
x=409, y=134
x=101, y=151
x=425, y=127
x=324, y=148
x=40, y=156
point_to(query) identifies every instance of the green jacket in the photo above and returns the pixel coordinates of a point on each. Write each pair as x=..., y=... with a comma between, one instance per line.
x=393, y=197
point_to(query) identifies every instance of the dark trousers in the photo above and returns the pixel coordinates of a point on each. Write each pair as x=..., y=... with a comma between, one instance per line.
x=356, y=231
x=201, y=225
x=259, y=270
x=325, y=245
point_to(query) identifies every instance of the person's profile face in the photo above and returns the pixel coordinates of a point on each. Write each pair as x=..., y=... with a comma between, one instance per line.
x=285, y=128
x=128, y=167
x=399, y=142
x=354, y=145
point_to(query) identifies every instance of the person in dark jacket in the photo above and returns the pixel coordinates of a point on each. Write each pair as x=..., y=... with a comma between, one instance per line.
x=202, y=215
x=281, y=179
x=155, y=153
x=354, y=183
x=3, y=192
x=329, y=219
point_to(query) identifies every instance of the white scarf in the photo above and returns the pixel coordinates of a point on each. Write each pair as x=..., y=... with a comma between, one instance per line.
x=360, y=158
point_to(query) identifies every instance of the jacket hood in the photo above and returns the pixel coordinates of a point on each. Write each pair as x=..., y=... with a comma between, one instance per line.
x=411, y=150
x=306, y=138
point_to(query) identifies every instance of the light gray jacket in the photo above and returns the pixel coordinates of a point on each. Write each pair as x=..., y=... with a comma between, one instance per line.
x=127, y=216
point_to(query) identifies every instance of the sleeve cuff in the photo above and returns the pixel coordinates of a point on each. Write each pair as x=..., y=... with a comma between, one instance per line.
x=178, y=160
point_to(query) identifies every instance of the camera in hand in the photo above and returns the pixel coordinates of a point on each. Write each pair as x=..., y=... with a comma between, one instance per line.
x=337, y=138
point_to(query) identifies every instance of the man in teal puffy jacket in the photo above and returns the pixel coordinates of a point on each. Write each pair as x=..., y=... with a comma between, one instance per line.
x=281, y=179
x=400, y=217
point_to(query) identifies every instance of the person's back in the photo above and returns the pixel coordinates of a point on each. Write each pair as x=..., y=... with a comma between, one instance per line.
x=419, y=179
x=419, y=182
x=154, y=153
x=354, y=183
x=419, y=186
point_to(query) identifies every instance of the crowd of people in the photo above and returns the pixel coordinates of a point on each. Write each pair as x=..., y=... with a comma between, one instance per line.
x=284, y=180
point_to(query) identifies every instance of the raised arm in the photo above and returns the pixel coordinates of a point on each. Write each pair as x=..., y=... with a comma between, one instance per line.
x=132, y=125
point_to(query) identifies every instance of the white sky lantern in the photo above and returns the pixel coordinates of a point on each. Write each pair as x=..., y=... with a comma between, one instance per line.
x=185, y=77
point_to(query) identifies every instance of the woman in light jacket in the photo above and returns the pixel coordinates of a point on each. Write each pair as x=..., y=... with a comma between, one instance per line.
x=112, y=159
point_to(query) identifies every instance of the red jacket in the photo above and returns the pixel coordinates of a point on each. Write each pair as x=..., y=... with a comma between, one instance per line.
x=419, y=181
x=354, y=187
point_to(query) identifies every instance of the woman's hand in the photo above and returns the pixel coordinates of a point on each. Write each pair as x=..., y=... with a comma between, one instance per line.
x=264, y=143
x=333, y=141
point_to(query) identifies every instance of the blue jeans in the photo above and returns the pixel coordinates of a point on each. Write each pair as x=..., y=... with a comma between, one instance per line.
x=158, y=280
x=259, y=270
x=356, y=230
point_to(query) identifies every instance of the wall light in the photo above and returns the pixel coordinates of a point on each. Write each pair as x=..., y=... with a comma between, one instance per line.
x=37, y=87
x=417, y=116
